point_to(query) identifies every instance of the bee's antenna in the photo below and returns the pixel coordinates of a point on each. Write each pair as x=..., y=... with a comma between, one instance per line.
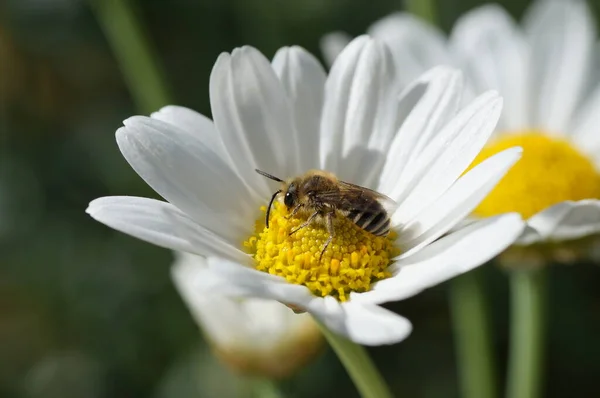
x=269, y=208
x=272, y=177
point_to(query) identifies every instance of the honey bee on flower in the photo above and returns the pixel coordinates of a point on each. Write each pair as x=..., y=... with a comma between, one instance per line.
x=336, y=255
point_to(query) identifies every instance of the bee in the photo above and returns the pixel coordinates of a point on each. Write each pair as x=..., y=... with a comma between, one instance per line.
x=325, y=197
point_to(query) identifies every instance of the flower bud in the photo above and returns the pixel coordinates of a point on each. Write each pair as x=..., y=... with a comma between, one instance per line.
x=252, y=336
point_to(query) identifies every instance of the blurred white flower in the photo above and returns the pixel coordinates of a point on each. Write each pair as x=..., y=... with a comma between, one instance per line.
x=543, y=69
x=252, y=336
x=286, y=118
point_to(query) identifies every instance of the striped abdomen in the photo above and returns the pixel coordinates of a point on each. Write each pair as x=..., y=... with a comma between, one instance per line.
x=373, y=219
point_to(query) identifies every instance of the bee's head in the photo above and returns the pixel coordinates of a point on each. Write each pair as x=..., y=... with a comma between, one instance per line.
x=291, y=195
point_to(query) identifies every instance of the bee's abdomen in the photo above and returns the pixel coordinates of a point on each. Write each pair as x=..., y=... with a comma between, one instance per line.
x=373, y=220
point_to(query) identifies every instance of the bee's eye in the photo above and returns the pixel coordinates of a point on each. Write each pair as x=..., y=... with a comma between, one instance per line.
x=289, y=199
x=290, y=196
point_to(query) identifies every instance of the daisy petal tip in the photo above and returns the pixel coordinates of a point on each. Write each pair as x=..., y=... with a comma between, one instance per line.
x=499, y=102
x=372, y=325
x=490, y=102
x=293, y=54
x=91, y=209
x=486, y=12
x=237, y=51
x=296, y=50
x=490, y=96
x=247, y=52
x=516, y=152
x=222, y=62
x=133, y=123
x=95, y=206
x=364, y=37
x=361, y=41
x=126, y=122
x=567, y=220
x=495, y=99
x=490, y=8
x=167, y=109
x=514, y=216
x=444, y=73
x=128, y=132
x=396, y=17
x=223, y=57
x=282, y=52
x=120, y=133
x=514, y=221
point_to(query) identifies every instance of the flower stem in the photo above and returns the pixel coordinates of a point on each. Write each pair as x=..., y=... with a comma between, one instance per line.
x=262, y=388
x=424, y=9
x=358, y=364
x=527, y=288
x=133, y=53
x=472, y=336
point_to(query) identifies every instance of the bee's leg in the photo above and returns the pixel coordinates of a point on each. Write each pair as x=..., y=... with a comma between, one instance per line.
x=329, y=223
x=293, y=213
x=305, y=223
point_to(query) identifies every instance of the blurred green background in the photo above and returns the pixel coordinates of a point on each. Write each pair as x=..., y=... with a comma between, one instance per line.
x=89, y=312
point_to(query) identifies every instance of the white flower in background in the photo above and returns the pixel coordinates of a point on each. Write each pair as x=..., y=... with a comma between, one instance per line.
x=286, y=118
x=252, y=336
x=543, y=69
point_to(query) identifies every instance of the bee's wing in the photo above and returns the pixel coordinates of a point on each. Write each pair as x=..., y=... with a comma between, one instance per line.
x=388, y=203
x=355, y=197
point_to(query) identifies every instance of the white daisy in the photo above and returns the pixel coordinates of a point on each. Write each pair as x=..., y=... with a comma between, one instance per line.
x=543, y=69
x=287, y=117
x=253, y=336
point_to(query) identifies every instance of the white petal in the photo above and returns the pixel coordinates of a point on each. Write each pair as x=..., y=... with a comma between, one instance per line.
x=359, y=111
x=160, y=223
x=188, y=273
x=252, y=112
x=187, y=173
x=561, y=36
x=363, y=324
x=194, y=123
x=493, y=53
x=567, y=220
x=456, y=203
x=416, y=46
x=447, y=155
x=303, y=79
x=584, y=129
x=332, y=45
x=452, y=255
x=232, y=279
x=426, y=106
x=252, y=325
x=336, y=97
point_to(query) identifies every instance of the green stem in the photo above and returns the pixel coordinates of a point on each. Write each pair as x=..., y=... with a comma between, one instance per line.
x=424, y=9
x=472, y=335
x=358, y=364
x=527, y=288
x=256, y=387
x=133, y=53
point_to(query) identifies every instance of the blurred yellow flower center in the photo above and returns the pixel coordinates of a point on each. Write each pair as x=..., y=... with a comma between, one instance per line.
x=353, y=261
x=550, y=171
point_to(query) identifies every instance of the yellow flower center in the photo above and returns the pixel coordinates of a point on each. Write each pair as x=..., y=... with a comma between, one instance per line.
x=351, y=263
x=550, y=171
